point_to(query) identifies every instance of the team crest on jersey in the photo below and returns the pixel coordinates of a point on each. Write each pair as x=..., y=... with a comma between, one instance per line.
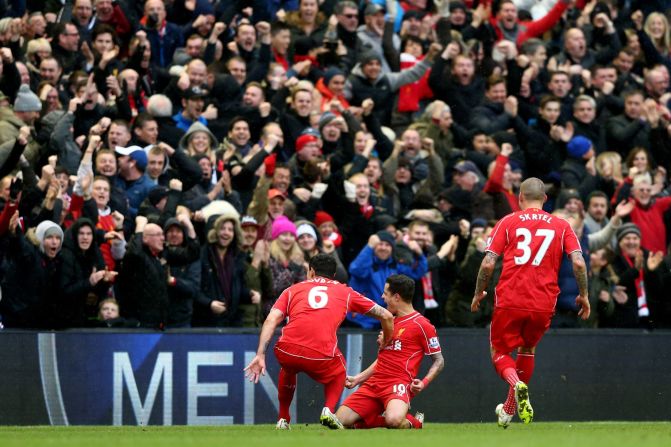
x=400, y=332
x=434, y=343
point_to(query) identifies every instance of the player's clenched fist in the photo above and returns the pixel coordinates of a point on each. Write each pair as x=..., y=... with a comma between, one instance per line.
x=352, y=381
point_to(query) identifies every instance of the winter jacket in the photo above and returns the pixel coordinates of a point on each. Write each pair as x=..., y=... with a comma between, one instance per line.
x=368, y=274
x=184, y=264
x=74, y=309
x=143, y=285
x=381, y=90
x=30, y=286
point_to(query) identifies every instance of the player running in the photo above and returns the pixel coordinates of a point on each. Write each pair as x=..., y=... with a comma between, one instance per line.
x=532, y=243
x=391, y=381
x=314, y=309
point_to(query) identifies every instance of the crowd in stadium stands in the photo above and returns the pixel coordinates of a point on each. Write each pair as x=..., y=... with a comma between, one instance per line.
x=175, y=163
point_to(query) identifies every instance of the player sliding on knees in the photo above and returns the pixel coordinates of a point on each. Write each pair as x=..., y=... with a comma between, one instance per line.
x=532, y=243
x=391, y=381
x=315, y=308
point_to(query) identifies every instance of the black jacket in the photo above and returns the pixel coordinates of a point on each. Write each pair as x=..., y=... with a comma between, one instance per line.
x=211, y=290
x=77, y=266
x=143, y=285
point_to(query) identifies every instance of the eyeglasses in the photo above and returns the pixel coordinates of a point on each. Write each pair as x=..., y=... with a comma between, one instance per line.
x=351, y=16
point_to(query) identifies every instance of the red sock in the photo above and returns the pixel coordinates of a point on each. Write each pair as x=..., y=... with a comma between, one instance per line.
x=286, y=385
x=413, y=421
x=525, y=366
x=510, y=405
x=333, y=391
x=505, y=367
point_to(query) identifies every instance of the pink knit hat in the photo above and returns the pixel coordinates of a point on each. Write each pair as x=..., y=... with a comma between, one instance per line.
x=282, y=225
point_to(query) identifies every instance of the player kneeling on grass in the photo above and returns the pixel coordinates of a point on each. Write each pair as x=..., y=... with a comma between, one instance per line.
x=314, y=309
x=390, y=382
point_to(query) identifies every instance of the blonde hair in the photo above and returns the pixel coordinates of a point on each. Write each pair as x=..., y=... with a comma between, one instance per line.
x=294, y=254
x=614, y=159
x=665, y=42
x=35, y=45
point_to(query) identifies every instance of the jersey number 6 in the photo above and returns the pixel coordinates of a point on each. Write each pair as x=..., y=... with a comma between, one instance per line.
x=524, y=243
x=317, y=297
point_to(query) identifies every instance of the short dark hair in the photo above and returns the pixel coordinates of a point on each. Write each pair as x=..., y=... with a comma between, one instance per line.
x=142, y=119
x=277, y=27
x=597, y=193
x=324, y=265
x=547, y=99
x=495, y=80
x=235, y=121
x=403, y=285
x=103, y=28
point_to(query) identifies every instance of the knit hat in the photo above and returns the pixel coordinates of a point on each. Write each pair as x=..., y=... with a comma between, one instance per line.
x=457, y=4
x=321, y=217
x=372, y=9
x=26, y=100
x=157, y=194
x=330, y=73
x=305, y=229
x=282, y=225
x=303, y=140
x=135, y=153
x=628, y=228
x=578, y=146
x=173, y=221
x=479, y=223
x=45, y=229
x=248, y=221
x=326, y=118
x=368, y=56
x=387, y=237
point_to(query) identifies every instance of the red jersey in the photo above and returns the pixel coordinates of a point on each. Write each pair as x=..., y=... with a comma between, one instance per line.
x=532, y=243
x=315, y=308
x=414, y=336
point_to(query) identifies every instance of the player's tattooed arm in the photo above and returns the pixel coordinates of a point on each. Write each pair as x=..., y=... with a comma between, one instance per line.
x=484, y=276
x=486, y=272
x=436, y=366
x=580, y=272
x=386, y=320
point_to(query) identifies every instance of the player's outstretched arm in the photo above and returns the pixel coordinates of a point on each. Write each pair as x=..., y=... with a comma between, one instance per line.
x=257, y=367
x=352, y=381
x=580, y=273
x=386, y=320
x=484, y=276
x=418, y=385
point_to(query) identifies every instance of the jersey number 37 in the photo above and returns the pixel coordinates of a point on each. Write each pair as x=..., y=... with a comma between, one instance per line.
x=524, y=245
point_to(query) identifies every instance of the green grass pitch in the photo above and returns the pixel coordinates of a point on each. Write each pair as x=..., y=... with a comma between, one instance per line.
x=638, y=434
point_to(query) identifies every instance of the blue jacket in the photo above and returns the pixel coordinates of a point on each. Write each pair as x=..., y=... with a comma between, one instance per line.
x=136, y=191
x=163, y=46
x=568, y=287
x=368, y=274
x=184, y=124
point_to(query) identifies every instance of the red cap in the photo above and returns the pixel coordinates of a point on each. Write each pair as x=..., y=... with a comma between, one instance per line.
x=274, y=192
x=322, y=217
x=303, y=140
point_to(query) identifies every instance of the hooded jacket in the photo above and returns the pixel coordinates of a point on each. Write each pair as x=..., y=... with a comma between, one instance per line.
x=77, y=266
x=30, y=284
x=211, y=288
x=184, y=264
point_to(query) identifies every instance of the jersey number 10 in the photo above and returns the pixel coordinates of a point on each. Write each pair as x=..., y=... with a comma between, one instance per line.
x=525, y=242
